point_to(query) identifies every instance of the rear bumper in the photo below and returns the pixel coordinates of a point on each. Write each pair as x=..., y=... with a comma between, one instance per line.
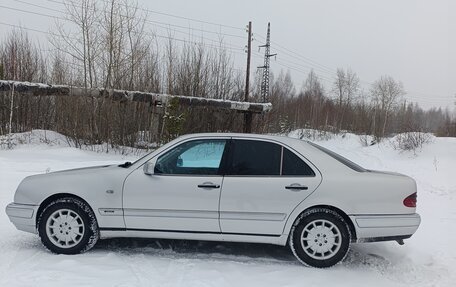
x=388, y=227
x=23, y=216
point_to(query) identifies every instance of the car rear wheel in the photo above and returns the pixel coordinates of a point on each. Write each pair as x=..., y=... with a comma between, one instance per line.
x=68, y=226
x=320, y=238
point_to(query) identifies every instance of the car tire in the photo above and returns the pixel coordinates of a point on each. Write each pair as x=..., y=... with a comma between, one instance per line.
x=68, y=226
x=320, y=238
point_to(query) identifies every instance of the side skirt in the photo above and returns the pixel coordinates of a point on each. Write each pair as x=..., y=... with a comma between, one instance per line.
x=189, y=235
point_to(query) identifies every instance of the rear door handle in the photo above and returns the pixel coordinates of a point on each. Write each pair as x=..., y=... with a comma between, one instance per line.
x=208, y=185
x=296, y=187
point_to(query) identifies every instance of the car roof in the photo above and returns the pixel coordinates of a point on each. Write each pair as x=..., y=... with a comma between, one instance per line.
x=280, y=138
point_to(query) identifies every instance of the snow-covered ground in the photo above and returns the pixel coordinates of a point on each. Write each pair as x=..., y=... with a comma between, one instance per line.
x=427, y=259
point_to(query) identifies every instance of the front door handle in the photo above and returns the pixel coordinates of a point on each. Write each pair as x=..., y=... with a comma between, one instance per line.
x=296, y=187
x=208, y=185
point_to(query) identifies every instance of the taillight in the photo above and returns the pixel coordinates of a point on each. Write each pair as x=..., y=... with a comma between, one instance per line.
x=410, y=201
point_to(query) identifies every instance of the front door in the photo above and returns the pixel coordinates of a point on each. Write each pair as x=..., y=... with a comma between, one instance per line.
x=183, y=193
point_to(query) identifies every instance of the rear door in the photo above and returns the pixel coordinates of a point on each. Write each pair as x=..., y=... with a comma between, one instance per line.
x=265, y=181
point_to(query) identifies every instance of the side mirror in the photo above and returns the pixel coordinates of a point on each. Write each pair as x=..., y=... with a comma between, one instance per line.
x=148, y=168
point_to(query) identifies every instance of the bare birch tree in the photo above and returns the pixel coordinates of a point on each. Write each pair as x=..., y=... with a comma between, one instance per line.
x=77, y=36
x=346, y=87
x=386, y=93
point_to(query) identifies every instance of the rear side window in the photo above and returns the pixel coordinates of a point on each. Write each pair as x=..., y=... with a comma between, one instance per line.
x=293, y=165
x=255, y=158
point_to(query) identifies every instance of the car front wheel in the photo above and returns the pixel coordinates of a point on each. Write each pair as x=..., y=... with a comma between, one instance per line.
x=68, y=226
x=320, y=238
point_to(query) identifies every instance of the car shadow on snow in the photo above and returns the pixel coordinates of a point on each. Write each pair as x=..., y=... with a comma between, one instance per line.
x=358, y=256
x=192, y=249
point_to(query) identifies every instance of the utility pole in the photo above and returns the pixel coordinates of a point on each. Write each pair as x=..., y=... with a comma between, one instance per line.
x=10, y=144
x=248, y=115
x=265, y=67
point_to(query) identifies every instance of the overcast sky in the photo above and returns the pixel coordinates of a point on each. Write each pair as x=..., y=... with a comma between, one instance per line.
x=411, y=40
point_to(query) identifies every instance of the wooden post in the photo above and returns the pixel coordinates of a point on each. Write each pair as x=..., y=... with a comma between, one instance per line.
x=10, y=144
x=248, y=115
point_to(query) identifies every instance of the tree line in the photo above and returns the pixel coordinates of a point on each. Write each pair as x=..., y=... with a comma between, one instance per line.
x=108, y=44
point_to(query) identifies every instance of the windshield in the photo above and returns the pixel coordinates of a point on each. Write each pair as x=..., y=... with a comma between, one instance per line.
x=163, y=147
x=147, y=154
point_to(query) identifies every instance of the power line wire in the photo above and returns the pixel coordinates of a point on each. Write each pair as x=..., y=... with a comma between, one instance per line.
x=60, y=36
x=65, y=19
x=297, y=69
x=31, y=29
x=147, y=20
x=175, y=16
x=295, y=55
x=224, y=46
x=31, y=12
x=36, y=5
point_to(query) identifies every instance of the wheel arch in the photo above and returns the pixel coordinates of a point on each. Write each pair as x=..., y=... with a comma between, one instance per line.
x=340, y=212
x=57, y=196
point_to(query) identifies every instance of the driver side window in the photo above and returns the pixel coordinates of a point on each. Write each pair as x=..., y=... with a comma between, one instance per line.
x=199, y=157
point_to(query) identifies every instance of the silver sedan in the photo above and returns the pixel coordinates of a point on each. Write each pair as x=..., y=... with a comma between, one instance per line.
x=222, y=187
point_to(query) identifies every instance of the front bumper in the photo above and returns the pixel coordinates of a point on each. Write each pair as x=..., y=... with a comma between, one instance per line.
x=23, y=216
x=372, y=227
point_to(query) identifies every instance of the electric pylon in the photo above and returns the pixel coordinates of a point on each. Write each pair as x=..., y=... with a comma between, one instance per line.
x=267, y=56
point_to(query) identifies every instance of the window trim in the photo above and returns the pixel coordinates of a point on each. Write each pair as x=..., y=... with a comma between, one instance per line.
x=224, y=165
x=281, y=160
x=228, y=162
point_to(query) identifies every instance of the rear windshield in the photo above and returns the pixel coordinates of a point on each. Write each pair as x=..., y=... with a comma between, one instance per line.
x=340, y=158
